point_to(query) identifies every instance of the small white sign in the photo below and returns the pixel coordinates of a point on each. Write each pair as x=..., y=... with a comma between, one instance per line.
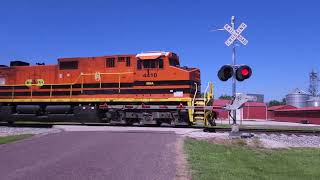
x=230, y=40
x=2, y=81
x=241, y=28
x=178, y=94
x=243, y=40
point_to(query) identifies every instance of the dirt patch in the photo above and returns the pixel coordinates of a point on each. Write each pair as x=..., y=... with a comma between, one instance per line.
x=254, y=143
x=224, y=141
x=183, y=171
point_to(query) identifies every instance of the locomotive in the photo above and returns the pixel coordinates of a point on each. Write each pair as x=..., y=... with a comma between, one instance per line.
x=146, y=88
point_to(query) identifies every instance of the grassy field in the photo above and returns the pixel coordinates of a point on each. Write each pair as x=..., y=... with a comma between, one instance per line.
x=215, y=161
x=7, y=139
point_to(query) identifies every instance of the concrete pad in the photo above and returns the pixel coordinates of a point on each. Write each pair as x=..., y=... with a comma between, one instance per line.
x=179, y=131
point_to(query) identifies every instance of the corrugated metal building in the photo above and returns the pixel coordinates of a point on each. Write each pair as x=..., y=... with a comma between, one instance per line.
x=218, y=104
x=250, y=110
x=299, y=115
x=254, y=110
x=271, y=110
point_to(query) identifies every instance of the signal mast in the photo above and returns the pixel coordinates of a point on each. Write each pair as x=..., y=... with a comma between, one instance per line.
x=237, y=72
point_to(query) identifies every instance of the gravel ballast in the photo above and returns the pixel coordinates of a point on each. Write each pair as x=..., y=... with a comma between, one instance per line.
x=269, y=141
x=275, y=140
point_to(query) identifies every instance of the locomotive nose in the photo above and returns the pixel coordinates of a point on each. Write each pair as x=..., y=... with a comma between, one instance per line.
x=195, y=74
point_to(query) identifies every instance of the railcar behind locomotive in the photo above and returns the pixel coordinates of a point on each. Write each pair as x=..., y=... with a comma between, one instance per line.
x=145, y=88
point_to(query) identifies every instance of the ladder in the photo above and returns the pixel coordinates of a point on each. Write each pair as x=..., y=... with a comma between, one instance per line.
x=199, y=111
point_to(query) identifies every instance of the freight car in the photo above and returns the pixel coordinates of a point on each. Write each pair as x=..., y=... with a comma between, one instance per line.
x=146, y=88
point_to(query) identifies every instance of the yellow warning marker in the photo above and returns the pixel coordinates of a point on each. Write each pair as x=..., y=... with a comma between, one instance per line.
x=28, y=82
x=97, y=76
x=40, y=82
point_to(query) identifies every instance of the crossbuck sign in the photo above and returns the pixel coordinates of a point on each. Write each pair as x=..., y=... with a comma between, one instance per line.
x=235, y=34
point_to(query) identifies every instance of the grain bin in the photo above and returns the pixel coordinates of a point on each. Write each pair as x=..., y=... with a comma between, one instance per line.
x=313, y=102
x=297, y=98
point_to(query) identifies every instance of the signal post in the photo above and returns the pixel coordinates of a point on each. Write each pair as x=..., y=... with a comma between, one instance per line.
x=237, y=72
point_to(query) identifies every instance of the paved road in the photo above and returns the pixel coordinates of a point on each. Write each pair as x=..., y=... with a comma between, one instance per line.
x=91, y=155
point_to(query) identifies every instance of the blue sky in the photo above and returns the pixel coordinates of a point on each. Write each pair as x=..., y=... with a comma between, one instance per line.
x=283, y=35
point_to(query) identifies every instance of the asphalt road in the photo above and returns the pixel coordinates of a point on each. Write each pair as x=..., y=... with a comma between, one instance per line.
x=91, y=155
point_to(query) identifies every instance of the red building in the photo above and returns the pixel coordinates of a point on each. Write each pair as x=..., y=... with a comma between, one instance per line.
x=259, y=111
x=250, y=110
x=271, y=110
x=218, y=104
x=254, y=110
x=298, y=115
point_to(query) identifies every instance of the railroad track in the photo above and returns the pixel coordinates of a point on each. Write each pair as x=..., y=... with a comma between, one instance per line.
x=276, y=130
x=268, y=131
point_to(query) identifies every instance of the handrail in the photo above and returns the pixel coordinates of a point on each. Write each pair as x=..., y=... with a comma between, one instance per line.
x=83, y=74
x=70, y=90
x=119, y=83
x=205, y=94
x=12, y=93
x=71, y=84
x=195, y=94
x=194, y=97
x=50, y=92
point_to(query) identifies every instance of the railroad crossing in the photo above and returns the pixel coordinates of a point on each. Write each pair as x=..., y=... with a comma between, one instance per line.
x=236, y=34
x=236, y=71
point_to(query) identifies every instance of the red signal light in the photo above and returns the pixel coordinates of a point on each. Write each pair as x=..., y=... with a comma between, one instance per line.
x=243, y=72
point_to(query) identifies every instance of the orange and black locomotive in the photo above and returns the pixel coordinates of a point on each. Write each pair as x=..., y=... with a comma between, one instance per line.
x=145, y=88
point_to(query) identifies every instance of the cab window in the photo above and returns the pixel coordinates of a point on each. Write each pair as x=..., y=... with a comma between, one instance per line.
x=150, y=64
x=174, y=62
x=160, y=64
x=128, y=63
x=139, y=64
x=110, y=62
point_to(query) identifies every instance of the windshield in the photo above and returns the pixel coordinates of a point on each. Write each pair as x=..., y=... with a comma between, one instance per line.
x=150, y=64
x=174, y=62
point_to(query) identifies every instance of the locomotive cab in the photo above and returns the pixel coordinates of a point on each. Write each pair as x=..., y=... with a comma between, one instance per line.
x=164, y=68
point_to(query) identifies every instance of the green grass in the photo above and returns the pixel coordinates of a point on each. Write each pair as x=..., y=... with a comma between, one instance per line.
x=215, y=161
x=8, y=139
x=223, y=126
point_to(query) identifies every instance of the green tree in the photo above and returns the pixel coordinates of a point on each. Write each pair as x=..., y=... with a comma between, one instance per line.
x=224, y=96
x=276, y=103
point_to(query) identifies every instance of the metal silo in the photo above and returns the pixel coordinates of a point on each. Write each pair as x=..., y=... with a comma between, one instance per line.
x=313, y=102
x=297, y=98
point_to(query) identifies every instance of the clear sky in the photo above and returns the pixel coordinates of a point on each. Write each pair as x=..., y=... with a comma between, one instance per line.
x=283, y=35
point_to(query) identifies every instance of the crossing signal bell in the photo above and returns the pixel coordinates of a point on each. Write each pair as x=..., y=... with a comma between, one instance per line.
x=241, y=72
